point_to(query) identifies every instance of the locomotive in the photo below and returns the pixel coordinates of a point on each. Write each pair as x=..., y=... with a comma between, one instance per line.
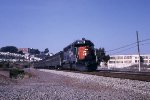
x=79, y=55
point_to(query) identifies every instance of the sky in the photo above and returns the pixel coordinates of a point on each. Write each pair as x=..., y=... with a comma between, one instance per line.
x=54, y=24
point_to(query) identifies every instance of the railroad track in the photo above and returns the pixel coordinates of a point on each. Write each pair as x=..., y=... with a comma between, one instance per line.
x=141, y=76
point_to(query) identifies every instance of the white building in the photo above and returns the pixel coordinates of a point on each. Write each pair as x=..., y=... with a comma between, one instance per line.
x=13, y=57
x=120, y=61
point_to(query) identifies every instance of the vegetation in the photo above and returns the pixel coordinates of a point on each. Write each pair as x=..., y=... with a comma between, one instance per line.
x=101, y=56
x=4, y=64
x=20, y=52
x=34, y=51
x=16, y=73
x=46, y=50
x=11, y=49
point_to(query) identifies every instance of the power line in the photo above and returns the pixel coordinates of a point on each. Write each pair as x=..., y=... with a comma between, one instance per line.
x=121, y=47
x=125, y=49
x=144, y=40
x=144, y=44
x=130, y=48
x=127, y=45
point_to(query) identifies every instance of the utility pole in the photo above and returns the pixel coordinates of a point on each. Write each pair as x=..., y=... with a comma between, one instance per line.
x=138, y=50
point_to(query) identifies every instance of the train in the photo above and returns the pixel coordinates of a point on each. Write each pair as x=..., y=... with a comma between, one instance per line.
x=79, y=55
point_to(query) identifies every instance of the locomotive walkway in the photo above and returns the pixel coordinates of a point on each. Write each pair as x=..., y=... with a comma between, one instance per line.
x=59, y=85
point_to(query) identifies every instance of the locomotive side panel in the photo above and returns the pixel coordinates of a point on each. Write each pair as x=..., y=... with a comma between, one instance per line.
x=55, y=60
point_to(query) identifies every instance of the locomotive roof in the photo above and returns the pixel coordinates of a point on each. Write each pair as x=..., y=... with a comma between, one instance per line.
x=83, y=42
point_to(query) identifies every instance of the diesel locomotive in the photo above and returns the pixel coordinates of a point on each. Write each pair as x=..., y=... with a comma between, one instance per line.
x=79, y=55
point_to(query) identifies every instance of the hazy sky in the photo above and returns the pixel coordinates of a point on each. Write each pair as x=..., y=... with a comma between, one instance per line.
x=54, y=24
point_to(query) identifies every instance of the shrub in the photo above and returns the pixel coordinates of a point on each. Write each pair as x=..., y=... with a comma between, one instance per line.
x=16, y=73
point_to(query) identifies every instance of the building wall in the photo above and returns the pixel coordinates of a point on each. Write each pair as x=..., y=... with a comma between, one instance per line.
x=120, y=61
x=24, y=50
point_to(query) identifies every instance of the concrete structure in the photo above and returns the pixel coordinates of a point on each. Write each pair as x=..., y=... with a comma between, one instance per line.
x=120, y=61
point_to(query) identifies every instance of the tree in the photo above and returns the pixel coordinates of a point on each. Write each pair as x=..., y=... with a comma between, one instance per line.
x=46, y=50
x=11, y=49
x=20, y=52
x=100, y=53
x=101, y=56
x=34, y=51
x=37, y=51
x=106, y=59
x=141, y=59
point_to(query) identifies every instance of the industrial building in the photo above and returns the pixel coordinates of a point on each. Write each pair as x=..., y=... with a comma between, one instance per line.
x=121, y=61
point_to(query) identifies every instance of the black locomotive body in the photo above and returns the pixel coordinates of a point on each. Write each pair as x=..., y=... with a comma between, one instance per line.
x=80, y=55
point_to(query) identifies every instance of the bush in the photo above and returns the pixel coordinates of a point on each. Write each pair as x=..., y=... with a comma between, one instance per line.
x=1, y=65
x=4, y=64
x=25, y=66
x=16, y=73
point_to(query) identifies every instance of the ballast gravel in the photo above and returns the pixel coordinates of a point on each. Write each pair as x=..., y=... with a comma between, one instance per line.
x=59, y=85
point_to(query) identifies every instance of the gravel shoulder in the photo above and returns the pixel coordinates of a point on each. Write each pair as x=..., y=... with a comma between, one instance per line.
x=59, y=85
